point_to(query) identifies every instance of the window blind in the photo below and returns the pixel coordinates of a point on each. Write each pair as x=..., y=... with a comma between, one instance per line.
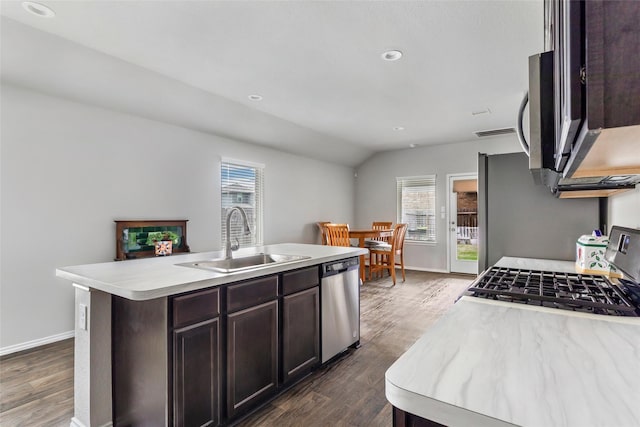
x=417, y=206
x=242, y=185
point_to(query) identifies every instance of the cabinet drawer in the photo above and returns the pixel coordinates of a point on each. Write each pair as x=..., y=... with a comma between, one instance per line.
x=251, y=293
x=300, y=280
x=192, y=308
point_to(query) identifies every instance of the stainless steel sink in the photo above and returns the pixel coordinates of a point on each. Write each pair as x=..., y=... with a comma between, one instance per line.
x=249, y=262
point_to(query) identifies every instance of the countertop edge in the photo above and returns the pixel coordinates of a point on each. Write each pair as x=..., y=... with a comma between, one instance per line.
x=445, y=413
x=198, y=279
x=628, y=320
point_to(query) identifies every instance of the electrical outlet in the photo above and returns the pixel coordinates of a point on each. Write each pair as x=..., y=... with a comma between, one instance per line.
x=82, y=316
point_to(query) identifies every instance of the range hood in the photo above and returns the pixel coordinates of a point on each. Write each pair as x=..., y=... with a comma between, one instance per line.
x=584, y=99
x=611, y=163
x=604, y=162
x=597, y=186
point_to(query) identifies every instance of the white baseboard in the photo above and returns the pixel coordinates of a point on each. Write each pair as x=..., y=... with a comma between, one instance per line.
x=432, y=270
x=36, y=343
x=77, y=423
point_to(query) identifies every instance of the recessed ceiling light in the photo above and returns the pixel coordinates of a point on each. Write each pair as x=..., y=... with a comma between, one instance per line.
x=413, y=145
x=38, y=9
x=392, y=55
x=255, y=97
x=398, y=128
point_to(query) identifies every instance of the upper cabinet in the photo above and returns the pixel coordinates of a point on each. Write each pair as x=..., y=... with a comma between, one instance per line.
x=596, y=79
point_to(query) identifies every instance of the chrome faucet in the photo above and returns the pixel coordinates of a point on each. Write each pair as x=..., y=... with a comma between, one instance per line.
x=247, y=230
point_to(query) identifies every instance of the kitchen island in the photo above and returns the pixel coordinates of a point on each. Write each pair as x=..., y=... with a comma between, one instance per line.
x=151, y=333
x=491, y=363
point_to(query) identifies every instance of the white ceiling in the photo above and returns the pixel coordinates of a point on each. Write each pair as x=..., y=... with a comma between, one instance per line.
x=327, y=92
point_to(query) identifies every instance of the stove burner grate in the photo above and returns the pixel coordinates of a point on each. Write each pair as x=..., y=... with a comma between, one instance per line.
x=568, y=291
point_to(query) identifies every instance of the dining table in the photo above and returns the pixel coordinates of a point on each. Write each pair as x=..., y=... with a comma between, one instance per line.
x=367, y=233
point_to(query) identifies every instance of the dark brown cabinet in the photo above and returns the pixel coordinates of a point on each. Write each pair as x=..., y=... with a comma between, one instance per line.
x=208, y=357
x=196, y=379
x=252, y=343
x=300, y=333
x=300, y=323
x=139, y=362
x=166, y=360
x=406, y=419
x=597, y=86
x=196, y=358
x=252, y=356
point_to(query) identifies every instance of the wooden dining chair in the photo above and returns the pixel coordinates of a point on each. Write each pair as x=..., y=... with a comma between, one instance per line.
x=380, y=225
x=375, y=241
x=387, y=256
x=323, y=231
x=399, y=258
x=338, y=234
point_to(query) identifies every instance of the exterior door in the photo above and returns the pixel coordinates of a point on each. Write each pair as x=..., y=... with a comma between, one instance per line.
x=463, y=223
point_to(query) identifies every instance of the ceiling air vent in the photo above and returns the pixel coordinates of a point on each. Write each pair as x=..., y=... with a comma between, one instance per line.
x=494, y=132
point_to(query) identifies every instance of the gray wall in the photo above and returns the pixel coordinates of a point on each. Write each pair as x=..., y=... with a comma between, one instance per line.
x=526, y=220
x=69, y=169
x=376, y=187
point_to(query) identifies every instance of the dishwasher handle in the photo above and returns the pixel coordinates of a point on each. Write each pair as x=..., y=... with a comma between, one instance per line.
x=337, y=267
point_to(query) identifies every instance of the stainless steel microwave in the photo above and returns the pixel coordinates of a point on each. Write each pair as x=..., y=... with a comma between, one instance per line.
x=542, y=142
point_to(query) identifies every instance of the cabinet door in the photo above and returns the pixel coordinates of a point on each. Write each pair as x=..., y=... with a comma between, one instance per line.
x=300, y=333
x=196, y=374
x=252, y=356
x=406, y=419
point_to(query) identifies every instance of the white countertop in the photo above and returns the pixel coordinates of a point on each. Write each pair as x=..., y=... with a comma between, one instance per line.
x=149, y=278
x=537, y=264
x=491, y=363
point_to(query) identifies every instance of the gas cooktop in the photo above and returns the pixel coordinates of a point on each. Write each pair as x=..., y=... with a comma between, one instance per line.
x=566, y=291
x=572, y=291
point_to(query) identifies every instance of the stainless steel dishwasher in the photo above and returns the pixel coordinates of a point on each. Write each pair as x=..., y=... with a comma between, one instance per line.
x=340, y=302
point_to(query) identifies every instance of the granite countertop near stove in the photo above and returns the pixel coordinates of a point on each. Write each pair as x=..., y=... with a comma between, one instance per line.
x=150, y=278
x=491, y=363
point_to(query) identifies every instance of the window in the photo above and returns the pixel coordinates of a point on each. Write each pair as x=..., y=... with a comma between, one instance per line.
x=242, y=185
x=417, y=207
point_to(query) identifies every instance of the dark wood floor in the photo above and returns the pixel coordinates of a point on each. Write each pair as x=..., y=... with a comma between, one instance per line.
x=36, y=387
